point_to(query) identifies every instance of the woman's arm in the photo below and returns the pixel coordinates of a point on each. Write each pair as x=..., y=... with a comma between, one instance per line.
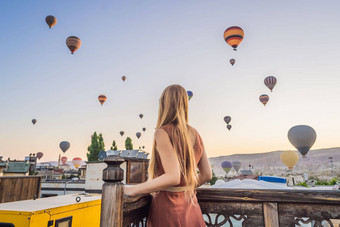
x=204, y=168
x=170, y=164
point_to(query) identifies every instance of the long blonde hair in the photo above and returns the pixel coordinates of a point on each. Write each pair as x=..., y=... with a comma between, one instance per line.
x=173, y=109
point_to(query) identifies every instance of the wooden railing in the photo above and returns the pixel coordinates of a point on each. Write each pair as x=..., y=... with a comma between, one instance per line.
x=225, y=207
x=16, y=188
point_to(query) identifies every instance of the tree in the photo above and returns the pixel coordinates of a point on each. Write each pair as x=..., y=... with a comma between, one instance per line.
x=114, y=146
x=101, y=143
x=213, y=179
x=97, y=145
x=128, y=144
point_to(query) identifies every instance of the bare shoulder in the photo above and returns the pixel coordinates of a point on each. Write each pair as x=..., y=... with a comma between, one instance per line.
x=193, y=134
x=192, y=130
x=161, y=134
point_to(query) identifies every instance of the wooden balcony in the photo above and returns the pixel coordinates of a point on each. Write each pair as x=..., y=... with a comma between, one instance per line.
x=227, y=207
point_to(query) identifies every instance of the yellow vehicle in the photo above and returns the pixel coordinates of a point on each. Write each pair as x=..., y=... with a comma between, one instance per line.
x=61, y=211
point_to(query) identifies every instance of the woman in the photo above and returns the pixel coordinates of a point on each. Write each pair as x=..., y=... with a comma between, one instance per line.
x=177, y=153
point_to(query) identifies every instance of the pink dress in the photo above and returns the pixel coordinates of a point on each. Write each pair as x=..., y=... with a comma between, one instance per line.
x=172, y=209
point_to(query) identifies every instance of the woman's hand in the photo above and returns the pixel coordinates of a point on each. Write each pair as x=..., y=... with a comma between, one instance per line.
x=130, y=191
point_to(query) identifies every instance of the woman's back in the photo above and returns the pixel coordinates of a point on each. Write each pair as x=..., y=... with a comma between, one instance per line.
x=196, y=140
x=171, y=207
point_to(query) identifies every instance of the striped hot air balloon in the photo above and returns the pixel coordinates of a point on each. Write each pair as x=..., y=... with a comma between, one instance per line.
x=264, y=99
x=73, y=43
x=234, y=36
x=270, y=82
x=102, y=99
x=50, y=21
x=76, y=162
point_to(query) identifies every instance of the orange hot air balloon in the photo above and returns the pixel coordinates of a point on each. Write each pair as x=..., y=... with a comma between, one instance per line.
x=63, y=160
x=76, y=162
x=233, y=36
x=264, y=99
x=73, y=43
x=51, y=21
x=102, y=99
x=123, y=78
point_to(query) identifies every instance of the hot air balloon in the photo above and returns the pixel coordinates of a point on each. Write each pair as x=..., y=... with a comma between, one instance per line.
x=190, y=94
x=51, y=21
x=63, y=160
x=138, y=134
x=123, y=78
x=229, y=127
x=39, y=155
x=289, y=158
x=232, y=61
x=144, y=129
x=143, y=147
x=76, y=162
x=270, y=82
x=121, y=133
x=227, y=119
x=73, y=43
x=64, y=146
x=226, y=165
x=102, y=99
x=233, y=36
x=264, y=99
x=302, y=137
x=34, y=121
x=141, y=116
x=236, y=165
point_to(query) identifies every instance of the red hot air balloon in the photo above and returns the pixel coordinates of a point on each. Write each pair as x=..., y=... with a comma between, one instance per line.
x=264, y=99
x=102, y=99
x=270, y=82
x=76, y=162
x=233, y=36
x=73, y=43
x=64, y=160
x=40, y=155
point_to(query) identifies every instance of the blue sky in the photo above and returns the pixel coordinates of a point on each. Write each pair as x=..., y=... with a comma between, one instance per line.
x=158, y=43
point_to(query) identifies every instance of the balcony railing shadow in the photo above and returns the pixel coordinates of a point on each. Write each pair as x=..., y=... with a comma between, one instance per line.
x=226, y=207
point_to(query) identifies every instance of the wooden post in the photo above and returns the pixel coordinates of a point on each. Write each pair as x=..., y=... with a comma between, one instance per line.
x=271, y=218
x=113, y=191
